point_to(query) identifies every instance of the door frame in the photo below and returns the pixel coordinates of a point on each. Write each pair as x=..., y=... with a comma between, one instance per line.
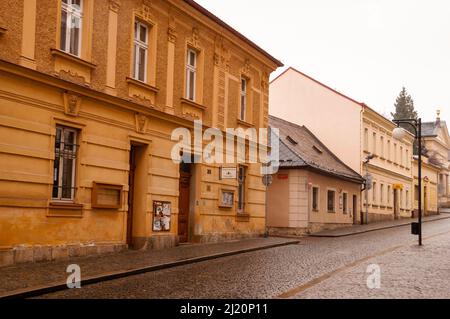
x=188, y=176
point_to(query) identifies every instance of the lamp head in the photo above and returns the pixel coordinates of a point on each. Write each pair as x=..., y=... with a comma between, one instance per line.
x=399, y=133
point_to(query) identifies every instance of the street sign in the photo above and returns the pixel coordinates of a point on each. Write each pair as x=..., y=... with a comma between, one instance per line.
x=267, y=180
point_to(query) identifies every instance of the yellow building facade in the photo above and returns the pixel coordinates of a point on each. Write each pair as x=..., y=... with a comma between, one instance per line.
x=90, y=94
x=391, y=195
x=430, y=173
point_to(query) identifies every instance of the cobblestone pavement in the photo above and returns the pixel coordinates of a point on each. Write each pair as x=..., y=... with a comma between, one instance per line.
x=276, y=272
x=25, y=276
x=408, y=272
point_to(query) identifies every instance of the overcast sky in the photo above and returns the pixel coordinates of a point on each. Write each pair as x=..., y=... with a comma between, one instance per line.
x=366, y=49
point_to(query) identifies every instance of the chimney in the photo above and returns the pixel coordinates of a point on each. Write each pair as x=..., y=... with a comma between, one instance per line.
x=438, y=118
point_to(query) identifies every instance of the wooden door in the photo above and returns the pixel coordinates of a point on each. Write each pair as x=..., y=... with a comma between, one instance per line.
x=183, y=201
x=131, y=195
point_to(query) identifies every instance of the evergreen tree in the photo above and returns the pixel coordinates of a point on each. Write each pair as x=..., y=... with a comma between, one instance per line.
x=404, y=109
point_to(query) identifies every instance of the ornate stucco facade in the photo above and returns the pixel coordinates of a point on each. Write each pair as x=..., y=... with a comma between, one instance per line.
x=91, y=112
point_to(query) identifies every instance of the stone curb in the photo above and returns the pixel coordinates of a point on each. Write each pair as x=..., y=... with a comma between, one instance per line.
x=374, y=229
x=41, y=290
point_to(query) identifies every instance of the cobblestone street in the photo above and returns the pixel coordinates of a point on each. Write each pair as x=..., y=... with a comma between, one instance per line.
x=315, y=268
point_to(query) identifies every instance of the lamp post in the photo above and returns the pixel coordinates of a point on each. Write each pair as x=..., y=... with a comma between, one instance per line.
x=399, y=133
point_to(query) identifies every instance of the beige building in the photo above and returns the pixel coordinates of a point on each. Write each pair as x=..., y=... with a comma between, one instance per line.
x=437, y=145
x=313, y=190
x=390, y=168
x=430, y=173
x=90, y=94
x=352, y=131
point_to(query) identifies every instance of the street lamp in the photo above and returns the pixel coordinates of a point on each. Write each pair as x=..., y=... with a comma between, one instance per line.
x=399, y=134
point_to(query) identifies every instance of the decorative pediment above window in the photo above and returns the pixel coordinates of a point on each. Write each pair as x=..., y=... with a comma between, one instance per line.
x=72, y=103
x=194, y=40
x=246, y=71
x=146, y=11
x=141, y=123
x=222, y=55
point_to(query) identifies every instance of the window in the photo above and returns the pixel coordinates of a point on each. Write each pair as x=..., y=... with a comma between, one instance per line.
x=395, y=153
x=408, y=160
x=241, y=189
x=382, y=146
x=191, y=74
x=374, y=146
x=140, y=51
x=416, y=192
x=407, y=199
x=344, y=203
x=389, y=150
x=401, y=198
x=64, y=165
x=243, y=105
x=401, y=155
x=389, y=194
x=382, y=194
x=71, y=22
x=366, y=139
x=374, y=193
x=315, y=199
x=331, y=205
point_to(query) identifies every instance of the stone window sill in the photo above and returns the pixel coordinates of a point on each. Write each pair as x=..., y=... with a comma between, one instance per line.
x=192, y=103
x=244, y=123
x=142, y=85
x=72, y=58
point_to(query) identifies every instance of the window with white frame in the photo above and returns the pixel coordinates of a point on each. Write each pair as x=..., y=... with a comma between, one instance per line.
x=64, y=164
x=71, y=23
x=141, y=31
x=243, y=103
x=191, y=74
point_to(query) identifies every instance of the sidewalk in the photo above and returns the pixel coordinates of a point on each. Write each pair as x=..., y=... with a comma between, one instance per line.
x=30, y=279
x=359, y=229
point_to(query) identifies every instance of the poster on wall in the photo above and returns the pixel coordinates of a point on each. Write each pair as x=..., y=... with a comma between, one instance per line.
x=161, y=216
x=226, y=198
